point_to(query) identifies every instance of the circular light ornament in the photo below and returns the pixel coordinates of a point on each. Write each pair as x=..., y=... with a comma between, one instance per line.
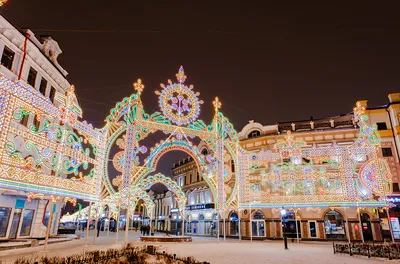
x=118, y=161
x=178, y=102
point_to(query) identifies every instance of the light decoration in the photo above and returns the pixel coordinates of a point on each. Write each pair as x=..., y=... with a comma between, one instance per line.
x=128, y=124
x=74, y=151
x=2, y=2
x=290, y=175
x=178, y=102
x=303, y=177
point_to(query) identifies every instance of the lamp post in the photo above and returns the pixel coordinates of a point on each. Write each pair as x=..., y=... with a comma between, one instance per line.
x=283, y=213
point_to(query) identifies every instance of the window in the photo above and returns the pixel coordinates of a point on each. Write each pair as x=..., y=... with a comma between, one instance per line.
x=334, y=225
x=24, y=120
x=27, y=222
x=32, y=76
x=190, y=177
x=42, y=88
x=396, y=187
x=313, y=229
x=232, y=166
x=204, y=151
x=52, y=94
x=198, y=176
x=254, y=133
x=381, y=125
x=387, y=152
x=7, y=58
x=4, y=218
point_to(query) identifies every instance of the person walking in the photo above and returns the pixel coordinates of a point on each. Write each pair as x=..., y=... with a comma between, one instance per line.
x=148, y=230
x=98, y=227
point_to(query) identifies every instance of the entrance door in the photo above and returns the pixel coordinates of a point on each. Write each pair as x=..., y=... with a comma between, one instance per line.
x=15, y=223
x=366, y=227
x=258, y=228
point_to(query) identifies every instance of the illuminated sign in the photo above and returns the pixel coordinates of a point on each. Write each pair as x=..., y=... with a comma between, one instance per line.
x=174, y=210
x=394, y=199
x=199, y=206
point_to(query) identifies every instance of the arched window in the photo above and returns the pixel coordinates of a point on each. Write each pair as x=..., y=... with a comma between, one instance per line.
x=254, y=133
x=204, y=152
x=334, y=225
x=234, y=224
x=258, y=215
x=234, y=217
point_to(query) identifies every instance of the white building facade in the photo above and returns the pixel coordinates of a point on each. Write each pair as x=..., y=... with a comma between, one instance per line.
x=33, y=63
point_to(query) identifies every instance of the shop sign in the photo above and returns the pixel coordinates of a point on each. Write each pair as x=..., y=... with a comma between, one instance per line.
x=199, y=206
x=393, y=199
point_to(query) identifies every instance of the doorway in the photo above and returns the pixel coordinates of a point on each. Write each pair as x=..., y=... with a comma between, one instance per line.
x=366, y=227
x=15, y=223
x=258, y=224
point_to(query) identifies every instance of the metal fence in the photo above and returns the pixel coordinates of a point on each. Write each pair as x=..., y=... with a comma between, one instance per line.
x=389, y=250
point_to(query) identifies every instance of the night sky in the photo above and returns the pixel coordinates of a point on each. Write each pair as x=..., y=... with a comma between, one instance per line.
x=266, y=61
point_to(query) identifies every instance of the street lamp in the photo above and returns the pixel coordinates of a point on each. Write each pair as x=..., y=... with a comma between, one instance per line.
x=283, y=213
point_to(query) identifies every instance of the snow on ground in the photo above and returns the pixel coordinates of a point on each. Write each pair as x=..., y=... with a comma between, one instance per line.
x=207, y=249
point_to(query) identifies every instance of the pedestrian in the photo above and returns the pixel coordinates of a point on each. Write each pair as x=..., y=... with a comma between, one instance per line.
x=98, y=227
x=148, y=230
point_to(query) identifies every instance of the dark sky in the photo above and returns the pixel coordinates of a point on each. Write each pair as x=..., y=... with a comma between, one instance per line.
x=266, y=61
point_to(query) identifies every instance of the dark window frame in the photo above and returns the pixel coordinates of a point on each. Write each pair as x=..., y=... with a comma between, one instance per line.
x=395, y=187
x=43, y=88
x=32, y=76
x=254, y=133
x=381, y=126
x=52, y=94
x=7, y=60
x=387, y=152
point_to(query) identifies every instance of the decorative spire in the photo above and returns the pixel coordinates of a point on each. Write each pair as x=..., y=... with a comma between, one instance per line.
x=138, y=86
x=180, y=76
x=217, y=104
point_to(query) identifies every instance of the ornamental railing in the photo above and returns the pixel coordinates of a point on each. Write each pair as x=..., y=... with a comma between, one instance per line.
x=384, y=250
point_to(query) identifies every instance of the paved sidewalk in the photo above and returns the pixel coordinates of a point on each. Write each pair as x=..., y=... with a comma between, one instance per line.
x=207, y=249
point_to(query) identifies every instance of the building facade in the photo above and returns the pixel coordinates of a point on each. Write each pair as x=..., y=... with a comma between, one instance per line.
x=199, y=212
x=313, y=223
x=30, y=69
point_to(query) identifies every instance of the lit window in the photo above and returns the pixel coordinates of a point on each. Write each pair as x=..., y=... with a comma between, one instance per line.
x=297, y=160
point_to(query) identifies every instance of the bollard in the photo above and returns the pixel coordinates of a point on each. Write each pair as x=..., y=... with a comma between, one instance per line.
x=333, y=243
x=351, y=253
x=369, y=254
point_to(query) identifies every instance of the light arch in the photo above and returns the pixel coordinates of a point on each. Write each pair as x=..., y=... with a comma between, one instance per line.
x=167, y=182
